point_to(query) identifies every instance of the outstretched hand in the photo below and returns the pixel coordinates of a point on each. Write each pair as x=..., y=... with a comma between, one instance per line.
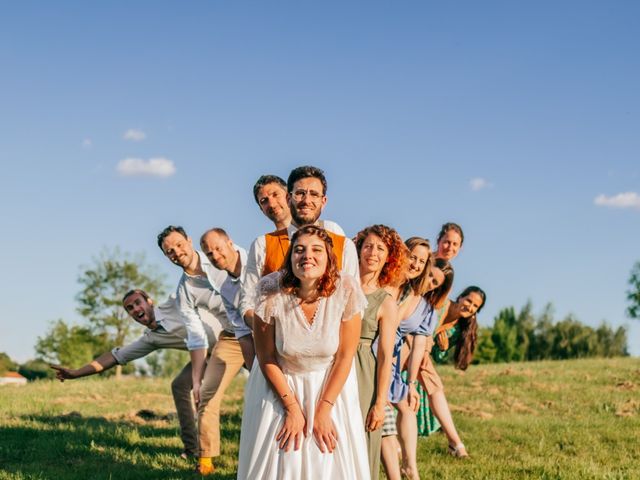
x=63, y=373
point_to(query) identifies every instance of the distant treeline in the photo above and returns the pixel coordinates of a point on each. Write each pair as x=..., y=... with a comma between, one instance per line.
x=523, y=336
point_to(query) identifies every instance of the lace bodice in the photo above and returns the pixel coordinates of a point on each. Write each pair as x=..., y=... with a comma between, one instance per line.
x=301, y=346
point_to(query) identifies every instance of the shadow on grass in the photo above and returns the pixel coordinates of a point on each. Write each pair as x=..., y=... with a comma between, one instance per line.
x=74, y=447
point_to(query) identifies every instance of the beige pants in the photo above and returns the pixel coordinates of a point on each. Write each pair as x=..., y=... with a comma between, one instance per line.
x=224, y=364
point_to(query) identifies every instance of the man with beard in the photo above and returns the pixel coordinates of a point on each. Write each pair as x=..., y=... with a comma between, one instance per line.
x=306, y=197
x=201, y=289
x=270, y=193
x=164, y=329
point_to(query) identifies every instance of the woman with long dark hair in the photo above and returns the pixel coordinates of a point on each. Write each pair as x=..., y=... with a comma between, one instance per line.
x=459, y=330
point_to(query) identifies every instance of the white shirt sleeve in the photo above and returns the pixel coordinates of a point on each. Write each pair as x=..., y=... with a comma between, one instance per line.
x=350, y=263
x=255, y=264
x=332, y=227
x=196, y=335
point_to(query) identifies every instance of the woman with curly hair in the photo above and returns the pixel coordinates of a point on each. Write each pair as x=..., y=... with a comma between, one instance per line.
x=382, y=258
x=301, y=418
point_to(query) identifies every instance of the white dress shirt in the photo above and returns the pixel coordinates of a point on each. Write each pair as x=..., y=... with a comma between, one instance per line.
x=197, y=293
x=169, y=333
x=230, y=292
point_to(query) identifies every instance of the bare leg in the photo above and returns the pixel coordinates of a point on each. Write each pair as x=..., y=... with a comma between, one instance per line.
x=440, y=408
x=389, y=454
x=408, y=436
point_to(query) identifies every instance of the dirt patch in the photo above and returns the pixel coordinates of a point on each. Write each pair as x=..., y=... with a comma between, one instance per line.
x=472, y=411
x=626, y=385
x=478, y=408
x=547, y=405
x=628, y=408
x=546, y=387
x=517, y=406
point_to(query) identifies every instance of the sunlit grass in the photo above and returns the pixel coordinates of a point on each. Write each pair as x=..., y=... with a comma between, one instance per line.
x=569, y=420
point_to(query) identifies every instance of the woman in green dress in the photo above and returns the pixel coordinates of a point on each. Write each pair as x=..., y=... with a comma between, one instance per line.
x=382, y=257
x=458, y=329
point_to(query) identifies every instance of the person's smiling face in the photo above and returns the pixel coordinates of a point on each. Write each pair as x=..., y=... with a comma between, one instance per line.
x=309, y=257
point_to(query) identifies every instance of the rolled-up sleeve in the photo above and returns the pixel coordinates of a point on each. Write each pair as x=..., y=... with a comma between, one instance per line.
x=196, y=335
x=132, y=351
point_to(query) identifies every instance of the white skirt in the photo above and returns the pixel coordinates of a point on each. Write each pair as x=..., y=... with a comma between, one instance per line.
x=261, y=458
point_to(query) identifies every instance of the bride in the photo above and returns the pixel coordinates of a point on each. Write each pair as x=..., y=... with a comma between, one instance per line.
x=302, y=416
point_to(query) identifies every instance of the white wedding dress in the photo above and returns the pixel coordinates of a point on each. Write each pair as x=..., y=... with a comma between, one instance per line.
x=305, y=353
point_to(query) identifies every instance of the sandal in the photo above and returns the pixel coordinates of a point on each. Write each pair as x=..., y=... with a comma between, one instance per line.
x=458, y=451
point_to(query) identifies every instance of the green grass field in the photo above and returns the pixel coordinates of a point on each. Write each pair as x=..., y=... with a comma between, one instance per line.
x=569, y=420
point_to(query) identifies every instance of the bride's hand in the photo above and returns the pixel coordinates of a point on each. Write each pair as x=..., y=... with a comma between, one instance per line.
x=324, y=431
x=293, y=428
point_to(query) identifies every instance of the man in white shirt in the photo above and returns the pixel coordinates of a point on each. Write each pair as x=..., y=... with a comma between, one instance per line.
x=164, y=329
x=205, y=287
x=270, y=193
x=306, y=197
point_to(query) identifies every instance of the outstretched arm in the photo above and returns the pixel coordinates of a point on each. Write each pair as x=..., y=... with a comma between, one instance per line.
x=103, y=362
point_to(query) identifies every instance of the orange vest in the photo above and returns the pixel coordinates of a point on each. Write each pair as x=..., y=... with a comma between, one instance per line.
x=277, y=244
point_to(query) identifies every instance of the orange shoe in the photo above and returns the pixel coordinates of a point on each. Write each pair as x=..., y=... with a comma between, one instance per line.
x=205, y=467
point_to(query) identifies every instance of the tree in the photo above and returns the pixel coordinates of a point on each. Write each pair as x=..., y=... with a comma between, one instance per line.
x=67, y=344
x=35, y=370
x=166, y=363
x=6, y=364
x=486, y=350
x=633, y=294
x=104, y=283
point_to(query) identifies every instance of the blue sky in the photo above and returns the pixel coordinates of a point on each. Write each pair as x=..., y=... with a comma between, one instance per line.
x=511, y=119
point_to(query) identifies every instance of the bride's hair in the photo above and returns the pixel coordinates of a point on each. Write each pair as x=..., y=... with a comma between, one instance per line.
x=327, y=284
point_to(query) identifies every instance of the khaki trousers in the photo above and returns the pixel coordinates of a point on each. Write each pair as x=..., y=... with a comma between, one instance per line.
x=181, y=390
x=224, y=364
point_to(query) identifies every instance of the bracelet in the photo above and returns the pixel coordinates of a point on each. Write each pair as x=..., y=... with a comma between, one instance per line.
x=329, y=402
x=414, y=382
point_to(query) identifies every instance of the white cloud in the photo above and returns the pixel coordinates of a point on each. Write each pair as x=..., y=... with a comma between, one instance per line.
x=134, y=135
x=87, y=143
x=621, y=200
x=138, y=167
x=478, y=183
